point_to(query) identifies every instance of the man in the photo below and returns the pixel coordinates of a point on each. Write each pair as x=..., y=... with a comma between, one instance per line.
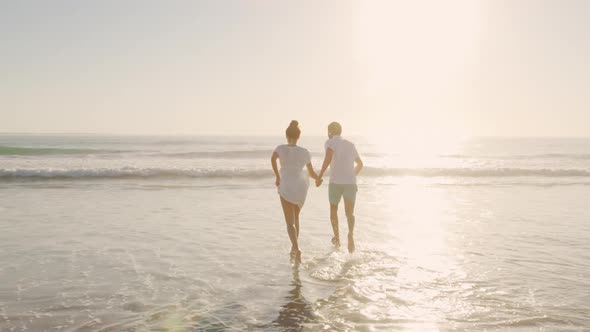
x=341, y=156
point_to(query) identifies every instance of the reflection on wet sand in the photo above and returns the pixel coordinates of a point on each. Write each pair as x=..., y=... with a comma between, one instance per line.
x=297, y=311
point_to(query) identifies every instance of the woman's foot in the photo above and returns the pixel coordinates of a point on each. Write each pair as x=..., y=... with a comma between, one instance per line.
x=295, y=256
x=336, y=242
x=298, y=257
x=351, y=246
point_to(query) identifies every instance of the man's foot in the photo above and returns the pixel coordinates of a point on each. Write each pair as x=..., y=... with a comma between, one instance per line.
x=351, y=246
x=336, y=242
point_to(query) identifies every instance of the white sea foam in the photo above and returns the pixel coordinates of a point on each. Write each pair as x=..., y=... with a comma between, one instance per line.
x=130, y=172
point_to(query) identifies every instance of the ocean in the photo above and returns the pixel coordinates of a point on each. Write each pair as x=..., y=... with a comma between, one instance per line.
x=177, y=233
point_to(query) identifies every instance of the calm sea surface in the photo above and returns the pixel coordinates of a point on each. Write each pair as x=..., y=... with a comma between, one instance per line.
x=105, y=233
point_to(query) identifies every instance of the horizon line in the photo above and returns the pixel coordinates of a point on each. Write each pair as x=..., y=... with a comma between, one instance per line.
x=251, y=135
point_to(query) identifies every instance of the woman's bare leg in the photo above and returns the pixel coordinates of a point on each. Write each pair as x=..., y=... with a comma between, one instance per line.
x=296, y=210
x=290, y=221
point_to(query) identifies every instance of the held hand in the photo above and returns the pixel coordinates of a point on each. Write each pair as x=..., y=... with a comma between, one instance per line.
x=318, y=182
x=278, y=181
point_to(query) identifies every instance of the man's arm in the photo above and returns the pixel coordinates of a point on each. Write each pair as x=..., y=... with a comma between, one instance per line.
x=311, y=172
x=327, y=161
x=359, y=165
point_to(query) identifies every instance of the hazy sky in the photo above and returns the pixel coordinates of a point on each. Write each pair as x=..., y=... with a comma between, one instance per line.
x=468, y=67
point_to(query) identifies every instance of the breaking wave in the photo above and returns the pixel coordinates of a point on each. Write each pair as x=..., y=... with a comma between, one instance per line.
x=23, y=151
x=134, y=172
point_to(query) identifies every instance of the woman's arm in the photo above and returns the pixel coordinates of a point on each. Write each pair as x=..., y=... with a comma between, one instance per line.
x=275, y=169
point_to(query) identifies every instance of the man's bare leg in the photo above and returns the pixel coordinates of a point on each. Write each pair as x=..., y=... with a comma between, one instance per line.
x=349, y=209
x=334, y=221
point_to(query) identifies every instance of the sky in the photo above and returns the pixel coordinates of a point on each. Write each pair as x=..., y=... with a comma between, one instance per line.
x=220, y=67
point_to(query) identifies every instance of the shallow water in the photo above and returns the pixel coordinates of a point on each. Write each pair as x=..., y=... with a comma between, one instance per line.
x=122, y=256
x=211, y=254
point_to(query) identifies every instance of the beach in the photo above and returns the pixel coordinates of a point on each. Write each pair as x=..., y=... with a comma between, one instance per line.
x=167, y=233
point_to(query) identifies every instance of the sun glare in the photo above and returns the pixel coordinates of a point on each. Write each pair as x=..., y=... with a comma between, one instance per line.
x=414, y=58
x=417, y=149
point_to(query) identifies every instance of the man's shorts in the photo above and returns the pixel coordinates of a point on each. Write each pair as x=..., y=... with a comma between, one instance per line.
x=337, y=191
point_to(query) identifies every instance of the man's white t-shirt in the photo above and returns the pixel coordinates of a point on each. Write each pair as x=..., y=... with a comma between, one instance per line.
x=342, y=165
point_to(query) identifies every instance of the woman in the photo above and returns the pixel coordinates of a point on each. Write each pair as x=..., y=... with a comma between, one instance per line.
x=292, y=182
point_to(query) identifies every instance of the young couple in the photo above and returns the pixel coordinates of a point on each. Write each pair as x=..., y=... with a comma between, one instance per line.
x=292, y=182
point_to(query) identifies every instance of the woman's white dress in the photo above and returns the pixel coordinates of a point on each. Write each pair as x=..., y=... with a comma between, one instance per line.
x=294, y=178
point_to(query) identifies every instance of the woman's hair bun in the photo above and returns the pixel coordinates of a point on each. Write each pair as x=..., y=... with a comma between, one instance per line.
x=293, y=131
